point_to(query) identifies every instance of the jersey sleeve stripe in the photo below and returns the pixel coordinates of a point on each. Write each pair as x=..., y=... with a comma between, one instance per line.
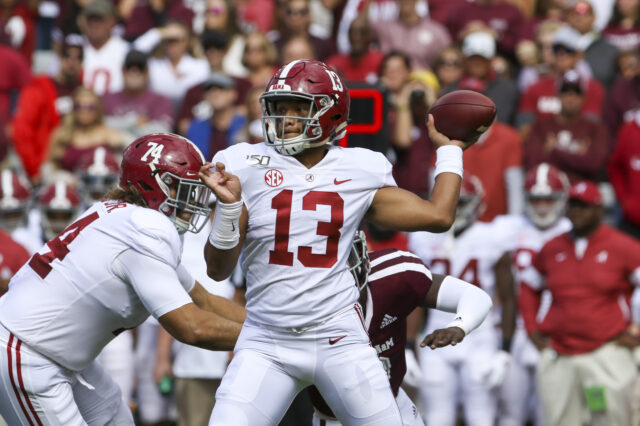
x=398, y=268
x=392, y=255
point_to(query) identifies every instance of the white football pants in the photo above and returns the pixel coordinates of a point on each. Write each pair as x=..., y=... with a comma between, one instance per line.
x=271, y=366
x=36, y=391
x=408, y=411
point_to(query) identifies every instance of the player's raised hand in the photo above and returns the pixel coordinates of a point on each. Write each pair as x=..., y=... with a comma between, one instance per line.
x=225, y=185
x=440, y=139
x=443, y=337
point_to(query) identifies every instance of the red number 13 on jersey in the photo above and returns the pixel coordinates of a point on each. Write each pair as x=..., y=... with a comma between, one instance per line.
x=282, y=204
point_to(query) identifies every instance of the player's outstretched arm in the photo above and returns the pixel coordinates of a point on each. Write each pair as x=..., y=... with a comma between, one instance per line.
x=222, y=250
x=402, y=210
x=197, y=327
x=470, y=304
x=216, y=304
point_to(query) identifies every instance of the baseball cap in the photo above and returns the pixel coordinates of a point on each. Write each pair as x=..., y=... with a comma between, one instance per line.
x=218, y=79
x=102, y=8
x=571, y=81
x=587, y=192
x=212, y=39
x=568, y=38
x=135, y=58
x=479, y=43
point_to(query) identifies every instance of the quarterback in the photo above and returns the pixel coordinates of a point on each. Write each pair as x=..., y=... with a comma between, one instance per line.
x=105, y=273
x=291, y=205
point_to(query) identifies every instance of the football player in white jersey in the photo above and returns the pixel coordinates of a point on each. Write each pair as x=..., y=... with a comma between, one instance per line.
x=291, y=205
x=106, y=272
x=546, y=191
x=469, y=374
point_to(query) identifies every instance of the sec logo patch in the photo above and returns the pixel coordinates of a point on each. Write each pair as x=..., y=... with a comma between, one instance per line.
x=273, y=177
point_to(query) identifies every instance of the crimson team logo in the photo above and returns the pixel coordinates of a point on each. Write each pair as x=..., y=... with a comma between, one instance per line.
x=273, y=177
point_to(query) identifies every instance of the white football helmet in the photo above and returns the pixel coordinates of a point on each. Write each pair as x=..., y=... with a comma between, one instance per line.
x=546, y=191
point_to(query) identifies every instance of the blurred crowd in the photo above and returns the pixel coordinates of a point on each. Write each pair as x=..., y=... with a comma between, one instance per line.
x=81, y=79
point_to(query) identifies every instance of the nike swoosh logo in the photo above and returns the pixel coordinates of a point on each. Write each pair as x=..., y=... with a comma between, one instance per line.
x=334, y=341
x=339, y=182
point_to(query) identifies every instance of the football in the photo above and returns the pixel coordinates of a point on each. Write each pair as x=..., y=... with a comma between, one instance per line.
x=463, y=115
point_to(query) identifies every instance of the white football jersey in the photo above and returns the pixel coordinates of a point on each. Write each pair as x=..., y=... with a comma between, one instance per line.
x=70, y=299
x=102, y=68
x=470, y=257
x=524, y=240
x=301, y=226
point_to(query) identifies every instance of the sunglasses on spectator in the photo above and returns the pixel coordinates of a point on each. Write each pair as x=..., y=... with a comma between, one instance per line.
x=454, y=63
x=301, y=12
x=173, y=40
x=259, y=48
x=85, y=107
x=561, y=49
x=217, y=10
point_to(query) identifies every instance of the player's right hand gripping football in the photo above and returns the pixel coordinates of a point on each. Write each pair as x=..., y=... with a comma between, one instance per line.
x=439, y=139
x=443, y=337
x=225, y=185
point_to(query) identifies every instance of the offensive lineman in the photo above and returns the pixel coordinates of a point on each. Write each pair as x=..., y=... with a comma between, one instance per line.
x=392, y=283
x=106, y=272
x=292, y=210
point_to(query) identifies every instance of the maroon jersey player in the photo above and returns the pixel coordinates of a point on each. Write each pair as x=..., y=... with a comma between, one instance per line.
x=392, y=284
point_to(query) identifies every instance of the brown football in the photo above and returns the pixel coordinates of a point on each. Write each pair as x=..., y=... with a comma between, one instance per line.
x=463, y=115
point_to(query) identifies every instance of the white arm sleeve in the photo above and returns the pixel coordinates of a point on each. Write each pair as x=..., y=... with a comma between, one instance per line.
x=156, y=283
x=470, y=303
x=187, y=281
x=514, y=180
x=635, y=298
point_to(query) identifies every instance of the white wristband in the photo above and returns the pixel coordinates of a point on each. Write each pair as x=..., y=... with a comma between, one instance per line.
x=225, y=233
x=448, y=160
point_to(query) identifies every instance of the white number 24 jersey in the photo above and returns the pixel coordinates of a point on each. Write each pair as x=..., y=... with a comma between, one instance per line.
x=301, y=226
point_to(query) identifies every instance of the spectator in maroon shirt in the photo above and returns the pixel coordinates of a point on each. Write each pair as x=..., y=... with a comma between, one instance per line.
x=298, y=24
x=623, y=29
x=14, y=75
x=498, y=16
x=256, y=15
x=139, y=16
x=586, y=365
x=575, y=144
x=42, y=103
x=137, y=110
x=363, y=61
x=624, y=98
x=541, y=99
x=19, y=22
x=624, y=175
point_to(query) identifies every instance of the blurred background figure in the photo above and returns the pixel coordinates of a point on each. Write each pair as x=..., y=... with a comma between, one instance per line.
x=297, y=48
x=448, y=68
x=573, y=143
x=546, y=191
x=15, y=202
x=104, y=51
x=419, y=37
x=137, y=110
x=623, y=29
x=41, y=105
x=224, y=125
x=140, y=16
x=624, y=174
x=176, y=70
x=471, y=373
x=586, y=369
x=97, y=173
x=259, y=58
x=82, y=130
x=59, y=204
x=18, y=22
x=12, y=257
